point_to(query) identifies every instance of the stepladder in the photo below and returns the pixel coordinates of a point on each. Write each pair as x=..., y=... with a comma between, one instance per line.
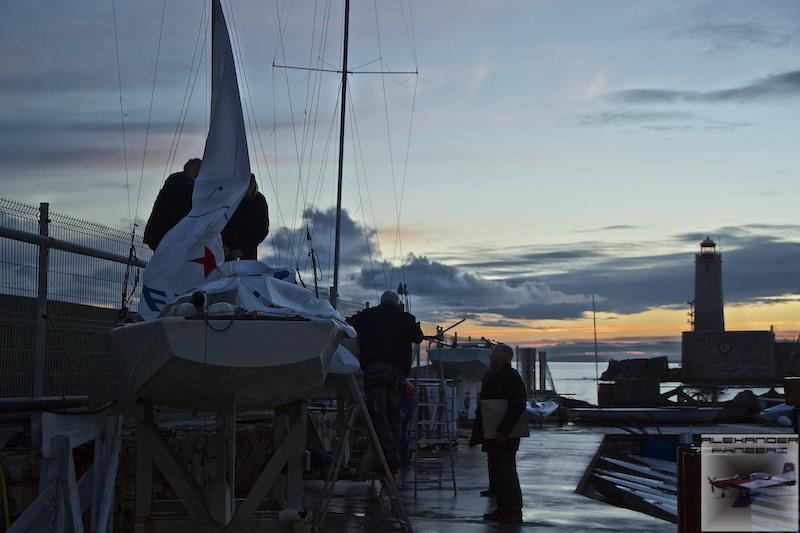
x=357, y=411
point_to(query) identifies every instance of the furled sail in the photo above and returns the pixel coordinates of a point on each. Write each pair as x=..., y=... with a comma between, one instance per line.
x=190, y=252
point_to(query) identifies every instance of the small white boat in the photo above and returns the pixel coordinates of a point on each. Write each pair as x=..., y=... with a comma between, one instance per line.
x=645, y=415
x=539, y=412
x=221, y=362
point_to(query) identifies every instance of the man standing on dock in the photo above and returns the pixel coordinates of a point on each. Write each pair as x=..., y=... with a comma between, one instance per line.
x=502, y=382
x=385, y=335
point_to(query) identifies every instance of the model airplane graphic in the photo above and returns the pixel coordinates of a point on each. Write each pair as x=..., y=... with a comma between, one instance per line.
x=747, y=485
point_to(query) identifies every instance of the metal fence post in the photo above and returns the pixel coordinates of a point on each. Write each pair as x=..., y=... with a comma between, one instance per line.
x=41, y=303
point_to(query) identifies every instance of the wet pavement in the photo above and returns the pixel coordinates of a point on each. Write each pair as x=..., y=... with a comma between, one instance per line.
x=550, y=463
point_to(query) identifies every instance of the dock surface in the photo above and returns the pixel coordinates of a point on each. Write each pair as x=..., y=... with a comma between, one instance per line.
x=550, y=463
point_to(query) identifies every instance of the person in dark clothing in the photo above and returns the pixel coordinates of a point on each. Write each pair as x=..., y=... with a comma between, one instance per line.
x=248, y=226
x=385, y=335
x=502, y=382
x=174, y=202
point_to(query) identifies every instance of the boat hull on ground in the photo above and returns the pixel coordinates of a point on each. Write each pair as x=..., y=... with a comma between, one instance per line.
x=539, y=412
x=644, y=415
x=468, y=363
x=220, y=362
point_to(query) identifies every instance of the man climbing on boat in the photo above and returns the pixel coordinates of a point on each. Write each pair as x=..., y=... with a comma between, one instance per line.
x=502, y=382
x=248, y=226
x=385, y=335
x=174, y=202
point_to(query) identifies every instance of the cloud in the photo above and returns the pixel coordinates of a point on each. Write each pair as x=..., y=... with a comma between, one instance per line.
x=613, y=227
x=768, y=88
x=290, y=246
x=734, y=35
x=755, y=264
x=658, y=121
x=460, y=292
x=514, y=286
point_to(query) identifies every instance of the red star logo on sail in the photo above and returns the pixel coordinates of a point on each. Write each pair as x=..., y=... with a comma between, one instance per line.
x=208, y=261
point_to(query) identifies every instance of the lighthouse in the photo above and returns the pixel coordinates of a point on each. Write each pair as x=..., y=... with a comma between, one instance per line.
x=708, y=312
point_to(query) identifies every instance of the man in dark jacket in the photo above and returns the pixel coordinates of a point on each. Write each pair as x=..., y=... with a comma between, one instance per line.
x=385, y=335
x=174, y=202
x=248, y=226
x=502, y=382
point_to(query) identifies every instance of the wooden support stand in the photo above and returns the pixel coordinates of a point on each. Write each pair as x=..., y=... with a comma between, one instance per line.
x=63, y=498
x=214, y=508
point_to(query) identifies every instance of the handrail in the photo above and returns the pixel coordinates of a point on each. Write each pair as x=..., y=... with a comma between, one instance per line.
x=58, y=244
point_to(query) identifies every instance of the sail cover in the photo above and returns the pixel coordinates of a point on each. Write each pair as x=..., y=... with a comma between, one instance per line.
x=190, y=252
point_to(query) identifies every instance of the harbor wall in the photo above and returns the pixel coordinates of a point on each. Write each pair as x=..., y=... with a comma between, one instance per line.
x=729, y=357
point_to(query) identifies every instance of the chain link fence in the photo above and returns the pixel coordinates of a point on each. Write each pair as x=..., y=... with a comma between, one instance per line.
x=72, y=307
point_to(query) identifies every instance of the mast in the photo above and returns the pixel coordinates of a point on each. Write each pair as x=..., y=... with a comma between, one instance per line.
x=334, y=295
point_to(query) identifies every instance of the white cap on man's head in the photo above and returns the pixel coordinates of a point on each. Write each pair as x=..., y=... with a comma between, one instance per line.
x=390, y=297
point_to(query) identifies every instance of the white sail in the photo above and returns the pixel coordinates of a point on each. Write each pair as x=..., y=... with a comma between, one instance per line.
x=190, y=252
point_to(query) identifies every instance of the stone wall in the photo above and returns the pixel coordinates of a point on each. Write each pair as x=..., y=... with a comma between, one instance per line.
x=729, y=357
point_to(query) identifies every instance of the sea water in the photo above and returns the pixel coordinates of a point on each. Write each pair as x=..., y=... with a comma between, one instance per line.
x=577, y=380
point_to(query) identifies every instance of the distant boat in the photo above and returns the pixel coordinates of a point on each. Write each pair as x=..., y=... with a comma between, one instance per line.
x=469, y=361
x=539, y=412
x=644, y=415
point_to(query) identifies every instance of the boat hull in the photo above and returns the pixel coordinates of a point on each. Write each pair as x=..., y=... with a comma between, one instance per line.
x=218, y=363
x=469, y=364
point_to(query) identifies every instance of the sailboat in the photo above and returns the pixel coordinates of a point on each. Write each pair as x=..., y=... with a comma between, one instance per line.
x=218, y=334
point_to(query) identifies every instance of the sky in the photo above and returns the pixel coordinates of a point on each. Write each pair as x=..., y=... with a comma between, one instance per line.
x=544, y=151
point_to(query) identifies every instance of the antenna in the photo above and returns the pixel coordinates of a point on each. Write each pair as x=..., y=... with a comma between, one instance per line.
x=596, y=366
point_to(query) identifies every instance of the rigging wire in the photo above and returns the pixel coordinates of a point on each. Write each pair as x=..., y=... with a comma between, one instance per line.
x=191, y=80
x=405, y=173
x=408, y=23
x=294, y=134
x=398, y=203
x=389, y=139
x=249, y=109
x=150, y=110
x=252, y=121
x=367, y=243
x=253, y=124
x=122, y=111
x=326, y=154
x=305, y=151
x=360, y=150
x=316, y=92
